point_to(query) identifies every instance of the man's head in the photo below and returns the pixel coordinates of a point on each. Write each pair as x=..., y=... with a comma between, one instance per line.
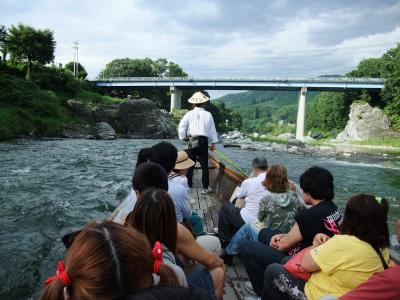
x=164, y=154
x=317, y=185
x=149, y=175
x=259, y=165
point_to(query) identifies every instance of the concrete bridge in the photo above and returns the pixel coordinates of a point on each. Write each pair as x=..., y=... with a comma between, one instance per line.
x=177, y=84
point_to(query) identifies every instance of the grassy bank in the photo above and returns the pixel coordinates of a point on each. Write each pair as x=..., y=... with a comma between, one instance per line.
x=38, y=107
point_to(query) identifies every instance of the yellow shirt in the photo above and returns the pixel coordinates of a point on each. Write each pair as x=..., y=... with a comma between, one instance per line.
x=345, y=262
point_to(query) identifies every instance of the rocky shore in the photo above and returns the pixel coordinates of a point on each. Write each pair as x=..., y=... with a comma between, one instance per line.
x=288, y=144
x=138, y=118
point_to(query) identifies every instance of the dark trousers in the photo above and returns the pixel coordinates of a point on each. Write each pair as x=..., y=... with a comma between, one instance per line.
x=202, y=153
x=229, y=222
x=280, y=284
x=256, y=257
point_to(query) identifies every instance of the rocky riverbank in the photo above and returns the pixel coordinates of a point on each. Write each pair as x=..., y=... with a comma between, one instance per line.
x=288, y=144
x=138, y=118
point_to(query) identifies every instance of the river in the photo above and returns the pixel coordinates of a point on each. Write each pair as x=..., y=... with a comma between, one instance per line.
x=51, y=187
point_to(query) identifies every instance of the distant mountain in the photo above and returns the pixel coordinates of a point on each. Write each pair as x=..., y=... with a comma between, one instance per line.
x=260, y=110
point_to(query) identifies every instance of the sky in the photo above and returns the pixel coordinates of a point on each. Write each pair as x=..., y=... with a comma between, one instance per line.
x=227, y=38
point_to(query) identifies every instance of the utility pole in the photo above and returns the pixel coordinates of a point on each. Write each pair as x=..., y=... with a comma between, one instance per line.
x=76, y=59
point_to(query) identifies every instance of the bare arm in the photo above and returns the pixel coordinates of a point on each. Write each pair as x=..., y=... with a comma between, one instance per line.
x=187, y=246
x=308, y=263
x=288, y=240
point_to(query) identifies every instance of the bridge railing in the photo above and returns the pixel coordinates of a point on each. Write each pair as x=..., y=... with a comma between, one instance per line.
x=233, y=79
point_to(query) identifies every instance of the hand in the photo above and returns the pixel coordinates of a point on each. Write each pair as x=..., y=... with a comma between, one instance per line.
x=292, y=186
x=275, y=239
x=319, y=239
x=213, y=147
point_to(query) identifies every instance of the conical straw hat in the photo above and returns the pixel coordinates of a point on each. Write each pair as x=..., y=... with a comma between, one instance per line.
x=198, y=98
x=183, y=161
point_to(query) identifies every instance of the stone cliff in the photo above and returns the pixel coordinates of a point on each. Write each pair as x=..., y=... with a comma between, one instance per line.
x=139, y=118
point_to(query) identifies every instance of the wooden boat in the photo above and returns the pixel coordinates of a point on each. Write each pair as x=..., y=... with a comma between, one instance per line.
x=224, y=180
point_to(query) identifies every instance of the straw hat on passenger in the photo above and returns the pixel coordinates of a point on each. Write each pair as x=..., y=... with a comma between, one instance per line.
x=198, y=98
x=183, y=161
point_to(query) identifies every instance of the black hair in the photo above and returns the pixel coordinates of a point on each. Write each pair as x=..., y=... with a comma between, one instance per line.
x=165, y=154
x=143, y=156
x=365, y=217
x=154, y=216
x=318, y=182
x=260, y=163
x=199, y=104
x=168, y=293
x=149, y=175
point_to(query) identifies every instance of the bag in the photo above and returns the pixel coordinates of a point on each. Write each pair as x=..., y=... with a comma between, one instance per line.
x=293, y=266
x=193, y=142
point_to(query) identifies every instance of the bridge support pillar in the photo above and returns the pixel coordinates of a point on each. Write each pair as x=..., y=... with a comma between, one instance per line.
x=176, y=97
x=301, y=114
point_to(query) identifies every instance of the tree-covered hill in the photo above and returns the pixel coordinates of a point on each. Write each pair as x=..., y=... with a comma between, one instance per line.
x=262, y=110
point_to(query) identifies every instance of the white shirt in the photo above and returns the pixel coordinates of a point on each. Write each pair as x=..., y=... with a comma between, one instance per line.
x=126, y=207
x=198, y=122
x=253, y=191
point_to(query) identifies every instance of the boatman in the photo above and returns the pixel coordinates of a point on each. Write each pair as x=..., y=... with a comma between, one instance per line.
x=198, y=128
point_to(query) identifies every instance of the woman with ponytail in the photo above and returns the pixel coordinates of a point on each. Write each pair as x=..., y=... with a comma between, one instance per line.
x=107, y=261
x=154, y=216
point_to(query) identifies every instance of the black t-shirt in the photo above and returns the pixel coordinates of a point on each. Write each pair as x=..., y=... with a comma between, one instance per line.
x=321, y=218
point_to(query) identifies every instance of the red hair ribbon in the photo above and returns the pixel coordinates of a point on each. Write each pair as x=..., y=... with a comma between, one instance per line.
x=61, y=274
x=157, y=254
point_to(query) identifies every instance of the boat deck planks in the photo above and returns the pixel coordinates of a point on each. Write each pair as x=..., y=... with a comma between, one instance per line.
x=207, y=207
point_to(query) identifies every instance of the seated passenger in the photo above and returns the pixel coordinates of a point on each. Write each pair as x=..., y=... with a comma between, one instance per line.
x=252, y=190
x=323, y=216
x=178, y=174
x=164, y=154
x=154, y=216
x=147, y=175
x=344, y=261
x=105, y=261
x=277, y=210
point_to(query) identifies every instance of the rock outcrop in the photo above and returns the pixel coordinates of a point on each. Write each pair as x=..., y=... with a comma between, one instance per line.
x=104, y=131
x=365, y=123
x=139, y=118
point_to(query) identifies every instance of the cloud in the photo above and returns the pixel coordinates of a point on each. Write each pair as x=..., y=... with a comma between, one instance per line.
x=217, y=38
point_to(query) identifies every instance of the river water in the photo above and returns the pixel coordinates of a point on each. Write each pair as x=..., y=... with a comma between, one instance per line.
x=51, y=187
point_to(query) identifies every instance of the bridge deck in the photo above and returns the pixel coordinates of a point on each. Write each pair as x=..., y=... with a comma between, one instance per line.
x=315, y=84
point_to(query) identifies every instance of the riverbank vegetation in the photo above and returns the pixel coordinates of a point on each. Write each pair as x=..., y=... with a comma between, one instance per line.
x=33, y=98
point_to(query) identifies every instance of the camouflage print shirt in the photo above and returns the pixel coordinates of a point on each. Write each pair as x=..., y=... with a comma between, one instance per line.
x=277, y=211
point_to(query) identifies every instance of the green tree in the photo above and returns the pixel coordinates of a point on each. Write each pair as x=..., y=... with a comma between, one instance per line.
x=3, y=49
x=221, y=113
x=28, y=44
x=82, y=74
x=328, y=111
x=127, y=67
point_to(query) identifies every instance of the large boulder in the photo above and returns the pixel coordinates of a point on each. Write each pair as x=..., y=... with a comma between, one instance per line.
x=104, y=131
x=365, y=123
x=140, y=118
x=136, y=118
